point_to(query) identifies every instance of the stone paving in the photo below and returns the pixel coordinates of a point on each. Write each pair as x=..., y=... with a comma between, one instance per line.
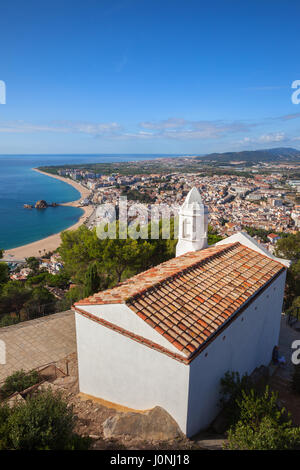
x=288, y=334
x=34, y=343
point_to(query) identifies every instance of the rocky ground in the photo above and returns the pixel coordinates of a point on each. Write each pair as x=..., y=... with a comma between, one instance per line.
x=287, y=397
x=112, y=429
x=117, y=429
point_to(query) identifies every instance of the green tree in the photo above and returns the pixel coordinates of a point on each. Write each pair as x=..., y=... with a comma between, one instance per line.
x=5, y=411
x=40, y=279
x=119, y=255
x=19, y=381
x=43, y=422
x=13, y=296
x=61, y=280
x=292, y=289
x=92, y=280
x=7, y=320
x=262, y=426
x=213, y=236
x=294, y=309
x=40, y=301
x=78, y=249
x=33, y=264
x=257, y=232
x=231, y=387
x=4, y=274
x=289, y=247
x=73, y=295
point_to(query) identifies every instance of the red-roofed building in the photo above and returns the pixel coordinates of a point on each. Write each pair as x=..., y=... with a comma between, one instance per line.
x=168, y=335
x=273, y=237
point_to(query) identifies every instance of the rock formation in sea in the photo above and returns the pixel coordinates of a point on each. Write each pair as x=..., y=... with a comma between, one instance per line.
x=41, y=204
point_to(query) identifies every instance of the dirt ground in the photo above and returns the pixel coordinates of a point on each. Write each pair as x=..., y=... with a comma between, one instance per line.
x=92, y=414
x=289, y=399
x=281, y=380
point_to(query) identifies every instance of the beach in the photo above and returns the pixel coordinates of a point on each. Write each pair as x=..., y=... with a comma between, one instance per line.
x=52, y=242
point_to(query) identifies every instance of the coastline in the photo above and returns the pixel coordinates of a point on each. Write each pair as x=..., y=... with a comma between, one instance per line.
x=52, y=242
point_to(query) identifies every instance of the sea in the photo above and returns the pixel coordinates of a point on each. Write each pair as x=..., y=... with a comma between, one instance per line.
x=20, y=185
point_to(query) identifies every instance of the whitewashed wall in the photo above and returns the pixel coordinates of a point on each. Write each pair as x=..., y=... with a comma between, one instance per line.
x=246, y=240
x=122, y=316
x=246, y=344
x=120, y=370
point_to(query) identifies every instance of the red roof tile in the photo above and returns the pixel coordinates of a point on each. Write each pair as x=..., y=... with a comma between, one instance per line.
x=189, y=298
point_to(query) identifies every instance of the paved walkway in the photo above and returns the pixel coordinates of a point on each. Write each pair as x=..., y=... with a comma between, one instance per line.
x=34, y=343
x=287, y=335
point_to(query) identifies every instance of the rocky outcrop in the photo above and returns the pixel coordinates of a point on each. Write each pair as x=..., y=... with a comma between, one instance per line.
x=41, y=204
x=15, y=399
x=154, y=425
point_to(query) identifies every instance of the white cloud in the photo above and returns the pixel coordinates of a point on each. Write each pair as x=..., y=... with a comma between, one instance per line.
x=171, y=123
x=264, y=138
x=67, y=127
x=275, y=137
x=170, y=129
x=179, y=128
x=288, y=117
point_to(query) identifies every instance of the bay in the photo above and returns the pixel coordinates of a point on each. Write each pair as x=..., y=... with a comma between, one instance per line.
x=20, y=185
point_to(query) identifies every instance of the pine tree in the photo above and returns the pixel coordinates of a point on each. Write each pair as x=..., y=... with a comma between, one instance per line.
x=92, y=280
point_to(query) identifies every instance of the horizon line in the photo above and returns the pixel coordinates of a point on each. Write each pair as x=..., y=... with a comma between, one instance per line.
x=190, y=154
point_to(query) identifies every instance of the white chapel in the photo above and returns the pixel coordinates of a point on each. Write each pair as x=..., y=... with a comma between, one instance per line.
x=168, y=335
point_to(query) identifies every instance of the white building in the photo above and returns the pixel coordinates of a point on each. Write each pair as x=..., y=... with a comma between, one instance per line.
x=193, y=224
x=166, y=336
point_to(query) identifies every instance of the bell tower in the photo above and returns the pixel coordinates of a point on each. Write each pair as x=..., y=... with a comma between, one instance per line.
x=193, y=224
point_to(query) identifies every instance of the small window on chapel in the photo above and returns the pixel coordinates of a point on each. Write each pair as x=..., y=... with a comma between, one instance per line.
x=186, y=228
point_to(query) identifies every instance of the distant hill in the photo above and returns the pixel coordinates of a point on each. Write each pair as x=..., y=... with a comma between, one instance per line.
x=253, y=156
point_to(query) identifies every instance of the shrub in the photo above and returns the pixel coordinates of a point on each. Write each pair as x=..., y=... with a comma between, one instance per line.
x=4, y=414
x=43, y=422
x=18, y=381
x=8, y=320
x=231, y=387
x=296, y=379
x=262, y=426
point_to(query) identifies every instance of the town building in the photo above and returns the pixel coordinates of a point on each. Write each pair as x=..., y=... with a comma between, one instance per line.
x=273, y=237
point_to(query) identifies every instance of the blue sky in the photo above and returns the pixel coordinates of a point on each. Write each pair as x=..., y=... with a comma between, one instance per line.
x=148, y=76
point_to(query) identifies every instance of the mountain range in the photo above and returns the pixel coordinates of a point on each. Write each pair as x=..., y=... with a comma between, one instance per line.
x=280, y=154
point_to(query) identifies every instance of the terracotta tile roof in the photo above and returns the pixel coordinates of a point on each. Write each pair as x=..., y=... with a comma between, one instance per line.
x=272, y=235
x=141, y=282
x=189, y=298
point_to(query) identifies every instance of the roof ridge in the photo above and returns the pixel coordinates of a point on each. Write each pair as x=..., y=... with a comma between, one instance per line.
x=120, y=297
x=183, y=270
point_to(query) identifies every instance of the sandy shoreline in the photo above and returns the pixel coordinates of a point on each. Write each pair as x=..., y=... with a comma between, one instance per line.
x=53, y=241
